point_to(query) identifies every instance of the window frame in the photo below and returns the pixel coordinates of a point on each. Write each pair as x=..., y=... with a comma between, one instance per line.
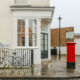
x=26, y=33
x=69, y=33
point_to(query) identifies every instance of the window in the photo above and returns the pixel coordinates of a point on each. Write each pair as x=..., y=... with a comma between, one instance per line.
x=21, y=1
x=32, y=33
x=45, y=28
x=44, y=45
x=70, y=35
x=44, y=41
x=21, y=32
x=44, y=25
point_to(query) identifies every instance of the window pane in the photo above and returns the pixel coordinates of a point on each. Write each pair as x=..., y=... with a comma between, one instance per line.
x=44, y=41
x=23, y=26
x=41, y=47
x=23, y=41
x=44, y=25
x=32, y=33
x=70, y=35
x=46, y=36
x=46, y=47
x=21, y=33
x=19, y=25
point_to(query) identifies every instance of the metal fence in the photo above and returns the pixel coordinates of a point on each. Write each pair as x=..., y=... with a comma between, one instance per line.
x=16, y=58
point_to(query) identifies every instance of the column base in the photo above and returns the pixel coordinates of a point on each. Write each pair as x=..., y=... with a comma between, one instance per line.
x=70, y=65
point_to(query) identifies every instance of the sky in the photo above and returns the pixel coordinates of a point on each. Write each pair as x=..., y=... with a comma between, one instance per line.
x=69, y=10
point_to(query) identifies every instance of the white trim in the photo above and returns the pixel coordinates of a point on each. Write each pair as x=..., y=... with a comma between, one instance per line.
x=44, y=32
x=49, y=41
x=14, y=32
x=23, y=7
x=39, y=33
x=27, y=47
x=32, y=14
x=26, y=32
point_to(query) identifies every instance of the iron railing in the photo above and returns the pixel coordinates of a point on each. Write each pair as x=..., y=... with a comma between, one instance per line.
x=16, y=58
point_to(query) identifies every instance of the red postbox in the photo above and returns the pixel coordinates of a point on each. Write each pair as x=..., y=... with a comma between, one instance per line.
x=71, y=55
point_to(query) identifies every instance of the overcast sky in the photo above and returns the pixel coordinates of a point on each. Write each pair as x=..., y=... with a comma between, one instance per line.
x=69, y=10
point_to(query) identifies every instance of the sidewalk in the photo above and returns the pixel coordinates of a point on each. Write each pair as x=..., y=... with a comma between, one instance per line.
x=57, y=68
x=53, y=68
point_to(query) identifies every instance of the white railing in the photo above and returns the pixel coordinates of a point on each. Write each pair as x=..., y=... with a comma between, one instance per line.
x=16, y=57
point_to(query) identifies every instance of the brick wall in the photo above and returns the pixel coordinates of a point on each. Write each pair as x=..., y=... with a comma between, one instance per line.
x=55, y=36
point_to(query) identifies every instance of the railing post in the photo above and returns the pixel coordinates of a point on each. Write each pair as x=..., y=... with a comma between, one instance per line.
x=32, y=54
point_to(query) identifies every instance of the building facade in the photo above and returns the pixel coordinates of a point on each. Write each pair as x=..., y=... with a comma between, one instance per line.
x=25, y=24
x=67, y=35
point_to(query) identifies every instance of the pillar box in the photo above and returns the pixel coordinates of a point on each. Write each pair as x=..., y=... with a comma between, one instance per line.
x=71, y=55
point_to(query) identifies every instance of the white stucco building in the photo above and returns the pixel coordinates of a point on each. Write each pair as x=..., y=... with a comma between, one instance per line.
x=25, y=24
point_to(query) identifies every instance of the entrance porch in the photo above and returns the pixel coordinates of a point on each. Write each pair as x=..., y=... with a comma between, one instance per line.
x=31, y=37
x=32, y=30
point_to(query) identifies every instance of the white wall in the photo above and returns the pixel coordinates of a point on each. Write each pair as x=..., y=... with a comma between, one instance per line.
x=5, y=22
x=63, y=50
x=77, y=48
x=77, y=41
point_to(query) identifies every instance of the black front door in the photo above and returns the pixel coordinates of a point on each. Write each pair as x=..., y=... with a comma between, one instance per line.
x=44, y=45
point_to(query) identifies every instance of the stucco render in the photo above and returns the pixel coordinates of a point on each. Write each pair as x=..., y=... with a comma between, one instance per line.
x=6, y=28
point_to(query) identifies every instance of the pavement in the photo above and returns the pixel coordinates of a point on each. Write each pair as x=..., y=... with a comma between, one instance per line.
x=57, y=68
x=53, y=68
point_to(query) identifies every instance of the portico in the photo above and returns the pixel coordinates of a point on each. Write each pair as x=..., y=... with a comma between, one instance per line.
x=32, y=30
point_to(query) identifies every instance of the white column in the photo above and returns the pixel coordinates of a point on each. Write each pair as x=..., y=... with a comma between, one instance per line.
x=27, y=32
x=15, y=39
x=37, y=54
x=49, y=41
x=39, y=33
